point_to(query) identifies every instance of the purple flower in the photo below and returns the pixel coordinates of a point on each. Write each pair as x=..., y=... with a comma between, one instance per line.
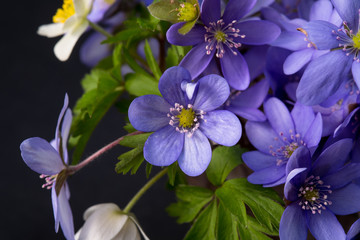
x=50, y=160
x=318, y=192
x=325, y=74
x=278, y=138
x=220, y=36
x=183, y=120
x=354, y=231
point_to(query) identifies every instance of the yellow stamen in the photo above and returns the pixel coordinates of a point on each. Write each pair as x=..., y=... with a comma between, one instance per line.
x=356, y=40
x=187, y=12
x=220, y=36
x=186, y=118
x=62, y=14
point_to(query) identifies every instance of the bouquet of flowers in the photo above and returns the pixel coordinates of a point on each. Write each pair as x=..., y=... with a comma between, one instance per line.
x=260, y=97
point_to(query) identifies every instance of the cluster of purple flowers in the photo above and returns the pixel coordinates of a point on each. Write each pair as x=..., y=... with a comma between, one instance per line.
x=291, y=73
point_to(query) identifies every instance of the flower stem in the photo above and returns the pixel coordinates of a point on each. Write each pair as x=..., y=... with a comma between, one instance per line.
x=98, y=28
x=75, y=168
x=144, y=189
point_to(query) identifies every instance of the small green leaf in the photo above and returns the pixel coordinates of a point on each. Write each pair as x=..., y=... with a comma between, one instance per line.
x=223, y=161
x=130, y=160
x=129, y=128
x=148, y=169
x=205, y=225
x=165, y=10
x=251, y=232
x=172, y=170
x=154, y=66
x=133, y=64
x=175, y=54
x=227, y=224
x=139, y=85
x=191, y=200
x=135, y=141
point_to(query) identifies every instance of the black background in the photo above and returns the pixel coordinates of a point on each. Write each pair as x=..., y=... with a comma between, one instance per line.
x=33, y=86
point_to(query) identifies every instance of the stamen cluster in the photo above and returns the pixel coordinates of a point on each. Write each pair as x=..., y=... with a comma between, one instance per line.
x=62, y=14
x=49, y=181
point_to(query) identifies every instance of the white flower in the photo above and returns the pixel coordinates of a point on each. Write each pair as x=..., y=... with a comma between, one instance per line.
x=71, y=21
x=107, y=222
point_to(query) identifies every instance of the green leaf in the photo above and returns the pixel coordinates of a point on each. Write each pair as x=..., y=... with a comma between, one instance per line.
x=129, y=128
x=134, y=141
x=133, y=64
x=251, y=231
x=191, y=200
x=223, y=161
x=172, y=170
x=263, y=202
x=205, y=225
x=148, y=169
x=175, y=54
x=101, y=91
x=227, y=224
x=165, y=10
x=138, y=84
x=187, y=27
x=151, y=61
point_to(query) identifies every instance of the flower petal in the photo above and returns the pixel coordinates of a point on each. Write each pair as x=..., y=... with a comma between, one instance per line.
x=149, y=113
x=279, y=117
x=321, y=10
x=60, y=118
x=355, y=69
x=257, y=160
x=213, y=91
x=325, y=225
x=332, y=157
x=235, y=69
x=196, y=155
x=197, y=60
x=210, y=11
x=128, y=231
x=195, y=36
x=170, y=85
x=65, y=130
x=221, y=126
x=40, y=156
x=253, y=96
x=348, y=11
x=64, y=47
x=344, y=176
x=257, y=32
x=267, y=175
x=297, y=230
x=321, y=34
x=65, y=214
x=303, y=116
x=291, y=189
x=314, y=133
x=82, y=7
x=297, y=60
x=322, y=77
x=235, y=9
x=54, y=201
x=251, y=114
x=354, y=231
x=293, y=41
x=345, y=200
x=51, y=30
x=164, y=146
x=300, y=158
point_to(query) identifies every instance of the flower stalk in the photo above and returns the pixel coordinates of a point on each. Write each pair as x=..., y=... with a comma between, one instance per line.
x=99, y=29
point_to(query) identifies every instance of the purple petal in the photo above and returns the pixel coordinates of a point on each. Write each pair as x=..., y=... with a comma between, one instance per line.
x=257, y=32
x=40, y=156
x=345, y=200
x=221, y=126
x=344, y=176
x=291, y=189
x=257, y=160
x=262, y=136
x=253, y=96
x=293, y=223
x=332, y=157
x=170, y=85
x=321, y=10
x=61, y=115
x=164, y=146
x=212, y=92
x=279, y=117
x=303, y=116
x=210, y=11
x=54, y=200
x=65, y=215
x=256, y=61
x=297, y=60
x=195, y=36
x=300, y=158
x=293, y=41
x=276, y=183
x=196, y=155
x=355, y=69
x=329, y=70
x=321, y=34
x=348, y=11
x=197, y=60
x=236, y=9
x=314, y=133
x=325, y=225
x=149, y=113
x=92, y=51
x=251, y=114
x=267, y=175
x=353, y=231
x=235, y=69
x=65, y=130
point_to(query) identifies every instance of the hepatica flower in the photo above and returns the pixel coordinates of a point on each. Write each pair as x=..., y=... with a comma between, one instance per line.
x=318, y=192
x=325, y=74
x=183, y=120
x=220, y=37
x=72, y=21
x=278, y=138
x=50, y=160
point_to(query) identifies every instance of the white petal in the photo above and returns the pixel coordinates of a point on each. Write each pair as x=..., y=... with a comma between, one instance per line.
x=82, y=7
x=51, y=30
x=138, y=225
x=128, y=232
x=64, y=47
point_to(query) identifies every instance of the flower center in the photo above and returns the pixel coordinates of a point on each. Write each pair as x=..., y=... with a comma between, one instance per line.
x=185, y=120
x=314, y=195
x=356, y=40
x=49, y=180
x=218, y=35
x=187, y=12
x=62, y=14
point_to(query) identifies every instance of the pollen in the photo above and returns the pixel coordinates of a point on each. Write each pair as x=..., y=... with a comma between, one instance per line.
x=187, y=12
x=62, y=14
x=186, y=118
x=356, y=40
x=220, y=36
